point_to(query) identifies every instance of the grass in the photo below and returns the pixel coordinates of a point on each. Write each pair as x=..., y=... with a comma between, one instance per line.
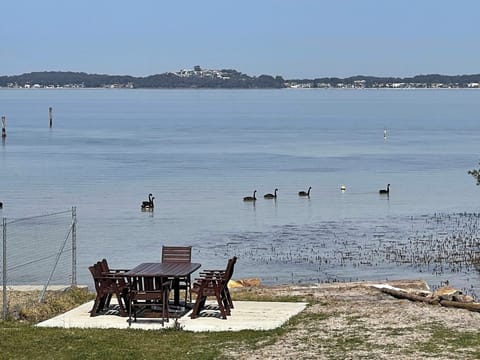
x=445, y=340
x=21, y=340
x=24, y=306
x=252, y=295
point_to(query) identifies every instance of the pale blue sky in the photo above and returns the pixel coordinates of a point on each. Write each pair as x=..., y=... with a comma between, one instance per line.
x=294, y=39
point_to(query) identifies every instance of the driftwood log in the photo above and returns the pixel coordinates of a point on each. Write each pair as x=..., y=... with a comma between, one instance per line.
x=399, y=294
x=405, y=295
x=461, y=305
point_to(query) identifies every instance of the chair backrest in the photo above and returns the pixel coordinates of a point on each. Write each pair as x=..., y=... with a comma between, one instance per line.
x=229, y=269
x=102, y=283
x=176, y=254
x=96, y=274
x=104, y=265
x=114, y=275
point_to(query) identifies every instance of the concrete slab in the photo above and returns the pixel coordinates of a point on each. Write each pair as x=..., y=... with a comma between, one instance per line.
x=247, y=315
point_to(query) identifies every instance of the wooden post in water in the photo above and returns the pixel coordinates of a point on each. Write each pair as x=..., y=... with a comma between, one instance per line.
x=4, y=132
x=50, y=111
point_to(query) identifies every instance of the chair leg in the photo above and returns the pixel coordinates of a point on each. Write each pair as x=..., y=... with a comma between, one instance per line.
x=198, y=305
x=225, y=303
x=220, y=305
x=125, y=298
x=229, y=298
x=96, y=305
x=165, y=312
x=129, y=312
x=102, y=300
x=108, y=298
x=120, y=304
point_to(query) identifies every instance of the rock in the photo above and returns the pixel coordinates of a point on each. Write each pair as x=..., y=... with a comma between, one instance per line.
x=244, y=283
x=463, y=298
x=446, y=293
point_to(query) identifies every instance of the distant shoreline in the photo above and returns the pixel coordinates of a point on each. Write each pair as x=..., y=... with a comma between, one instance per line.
x=238, y=89
x=199, y=78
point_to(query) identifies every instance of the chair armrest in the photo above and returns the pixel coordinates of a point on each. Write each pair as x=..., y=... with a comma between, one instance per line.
x=112, y=275
x=212, y=271
x=116, y=271
x=209, y=281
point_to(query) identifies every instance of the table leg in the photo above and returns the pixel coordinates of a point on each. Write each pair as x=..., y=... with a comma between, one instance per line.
x=176, y=292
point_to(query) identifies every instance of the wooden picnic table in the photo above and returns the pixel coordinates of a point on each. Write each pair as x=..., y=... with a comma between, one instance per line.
x=172, y=270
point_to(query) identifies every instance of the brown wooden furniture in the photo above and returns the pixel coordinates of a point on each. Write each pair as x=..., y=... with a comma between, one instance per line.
x=214, y=283
x=173, y=270
x=106, y=285
x=176, y=254
x=107, y=270
x=147, y=293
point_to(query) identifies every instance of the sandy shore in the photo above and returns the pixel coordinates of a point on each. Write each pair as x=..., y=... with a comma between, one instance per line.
x=355, y=320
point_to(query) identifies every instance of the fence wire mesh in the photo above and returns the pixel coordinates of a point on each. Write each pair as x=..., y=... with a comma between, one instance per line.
x=38, y=251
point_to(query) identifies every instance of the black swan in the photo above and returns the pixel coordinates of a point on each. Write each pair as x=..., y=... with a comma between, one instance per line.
x=385, y=191
x=147, y=205
x=250, y=198
x=303, y=193
x=271, y=196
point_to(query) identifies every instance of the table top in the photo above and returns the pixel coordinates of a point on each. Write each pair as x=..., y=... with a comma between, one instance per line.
x=167, y=269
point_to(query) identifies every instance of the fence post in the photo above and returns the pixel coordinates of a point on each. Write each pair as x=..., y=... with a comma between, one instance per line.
x=74, y=246
x=4, y=269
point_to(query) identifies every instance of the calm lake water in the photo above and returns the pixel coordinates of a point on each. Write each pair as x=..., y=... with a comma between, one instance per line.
x=201, y=151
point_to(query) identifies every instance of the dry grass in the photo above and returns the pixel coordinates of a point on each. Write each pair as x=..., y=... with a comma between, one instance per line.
x=25, y=306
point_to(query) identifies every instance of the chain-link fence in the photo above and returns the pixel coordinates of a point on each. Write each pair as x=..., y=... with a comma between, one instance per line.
x=38, y=251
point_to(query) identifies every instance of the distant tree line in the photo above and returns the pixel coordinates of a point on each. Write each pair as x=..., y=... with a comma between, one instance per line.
x=373, y=81
x=232, y=79
x=167, y=80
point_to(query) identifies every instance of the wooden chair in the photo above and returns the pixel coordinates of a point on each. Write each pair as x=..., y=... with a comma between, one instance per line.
x=179, y=254
x=117, y=274
x=148, y=294
x=106, y=268
x=106, y=286
x=214, y=283
x=227, y=274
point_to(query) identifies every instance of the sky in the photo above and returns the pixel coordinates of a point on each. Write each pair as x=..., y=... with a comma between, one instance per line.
x=290, y=38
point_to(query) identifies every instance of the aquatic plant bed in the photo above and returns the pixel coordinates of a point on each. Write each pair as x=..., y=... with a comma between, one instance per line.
x=436, y=247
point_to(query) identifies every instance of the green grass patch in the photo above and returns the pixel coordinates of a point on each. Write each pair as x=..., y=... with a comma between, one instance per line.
x=23, y=341
x=246, y=295
x=443, y=339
